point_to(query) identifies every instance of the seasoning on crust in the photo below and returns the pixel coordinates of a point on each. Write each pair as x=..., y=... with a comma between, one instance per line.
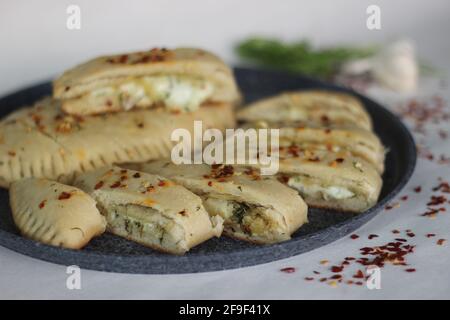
x=42, y=141
x=318, y=107
x=358, y=142
x=149, y=209
x=179, y=80
x=254, y=208
x=54, y=213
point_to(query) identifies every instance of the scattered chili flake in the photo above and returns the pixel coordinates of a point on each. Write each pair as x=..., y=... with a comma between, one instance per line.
x=354, y=236
x=115, y=185
x=12, y=153
x=137, y=175
x=42, y=204
x=309, y=278
x=410, y=234
x=371, y=236
x=339, y=160
x=410, y=270
x=430, y=235
x=210, y=183
x=441, y=242
x=418, y=189
x=323, y=279
x=395, y=231
x=404, y=198
x=64, y=195
x=316, y=272
x=288, y=270
x=358, y=275
x=183, y=212
x=99, y=185
x=336, y=269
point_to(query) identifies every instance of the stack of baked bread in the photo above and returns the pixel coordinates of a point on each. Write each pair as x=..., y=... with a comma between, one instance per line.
x=59, y=157
x=328, y=151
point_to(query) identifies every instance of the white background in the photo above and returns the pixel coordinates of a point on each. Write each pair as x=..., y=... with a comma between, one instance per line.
x=35, y=45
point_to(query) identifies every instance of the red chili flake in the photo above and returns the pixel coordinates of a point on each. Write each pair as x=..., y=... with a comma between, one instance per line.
x=137, y=175
x=443, y=187
x=336, y=269
x=64, y=195
x=99, y=185
x=354, y=236
x=42, y=204
x=371, y=236
x=12, y=153
x=410, y=234
x=309, y=278
x=123, y=178
x=288, y=270
x=324, y=118
x=410, y=270
x=349, y=282
x=350, y=258
x=358, y=283
x=358, y=275
x=210, y=183
x=441, y=242
x=123, y=58
x=115, y=185
x=183, y=213
x=437, y=200
x=150, y=188
x=430, y=235
x=339, y=160
x=123, y=171
x=336, y=277
x=395, y=231
x=161, y=183
x=432, y=212
x=418, y=189
x=404, y=198
x=401, y=240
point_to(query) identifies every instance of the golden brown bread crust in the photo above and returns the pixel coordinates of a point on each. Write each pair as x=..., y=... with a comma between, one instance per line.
x=318, y=107
x=55, y=214
x=240, y=184
x=111, y=70
x=41, y=141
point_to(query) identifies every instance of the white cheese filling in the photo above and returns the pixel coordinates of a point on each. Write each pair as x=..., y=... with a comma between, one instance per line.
x=177, y=93
x=314, y=190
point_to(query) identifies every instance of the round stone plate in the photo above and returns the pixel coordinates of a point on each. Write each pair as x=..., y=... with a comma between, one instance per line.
x=111, y=253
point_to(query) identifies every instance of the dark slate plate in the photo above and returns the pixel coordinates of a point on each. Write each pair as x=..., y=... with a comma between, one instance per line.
x=111, y=253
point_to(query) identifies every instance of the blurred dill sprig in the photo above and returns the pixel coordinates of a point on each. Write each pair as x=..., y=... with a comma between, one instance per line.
x=299, y=57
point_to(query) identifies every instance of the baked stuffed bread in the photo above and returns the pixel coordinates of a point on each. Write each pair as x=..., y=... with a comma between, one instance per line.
x=54, y=213
x=179, y=80
x=333, y=180
x=149, y=209
x=42, y=141
x=321, y=108
x=254, y=208
x=358, y=142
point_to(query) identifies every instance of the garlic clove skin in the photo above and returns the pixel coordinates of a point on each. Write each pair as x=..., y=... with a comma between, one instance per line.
x=395, y=67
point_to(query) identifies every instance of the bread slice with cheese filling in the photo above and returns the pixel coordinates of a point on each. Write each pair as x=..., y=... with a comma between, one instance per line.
x=150, y=209
x=179, y=80
x=254, y=208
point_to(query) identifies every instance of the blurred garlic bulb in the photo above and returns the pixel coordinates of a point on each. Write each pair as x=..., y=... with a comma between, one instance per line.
x=394, y=66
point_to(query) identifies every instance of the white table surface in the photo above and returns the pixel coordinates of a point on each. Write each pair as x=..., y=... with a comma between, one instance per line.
x=35, y=45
